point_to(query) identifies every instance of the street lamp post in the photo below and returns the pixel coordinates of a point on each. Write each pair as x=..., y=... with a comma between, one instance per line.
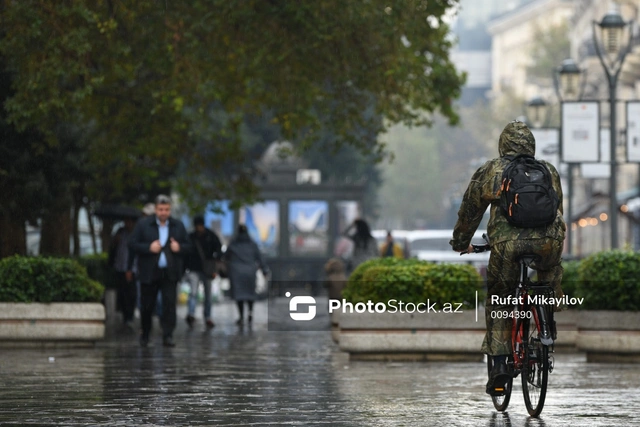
x=612, y=55
x=537, y=111
x=569, y=85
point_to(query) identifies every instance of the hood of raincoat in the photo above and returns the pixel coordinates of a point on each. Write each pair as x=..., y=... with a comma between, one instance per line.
x=516, y=138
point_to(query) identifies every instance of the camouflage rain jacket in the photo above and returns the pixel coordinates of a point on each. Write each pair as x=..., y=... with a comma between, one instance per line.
x=484, y=190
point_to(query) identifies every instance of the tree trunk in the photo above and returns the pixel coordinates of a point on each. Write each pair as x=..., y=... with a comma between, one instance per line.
x=92, y=229
x=55, y=233
x=13, y=236
x=76, y=230
x=105, y=234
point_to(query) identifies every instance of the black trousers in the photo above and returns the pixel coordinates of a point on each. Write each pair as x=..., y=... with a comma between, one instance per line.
x=148, y=298
x=127, y=296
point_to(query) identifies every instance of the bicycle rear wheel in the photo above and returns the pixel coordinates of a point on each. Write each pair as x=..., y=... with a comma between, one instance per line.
x=500, y=402
x=535, y=370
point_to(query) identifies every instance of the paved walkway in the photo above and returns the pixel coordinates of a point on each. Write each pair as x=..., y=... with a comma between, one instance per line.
x=255, y=377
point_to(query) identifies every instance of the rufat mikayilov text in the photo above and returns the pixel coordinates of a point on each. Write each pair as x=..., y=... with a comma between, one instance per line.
x=535, y=299
x=394, y=306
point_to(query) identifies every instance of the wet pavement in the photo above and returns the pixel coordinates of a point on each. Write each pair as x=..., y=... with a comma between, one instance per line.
x=255, y=377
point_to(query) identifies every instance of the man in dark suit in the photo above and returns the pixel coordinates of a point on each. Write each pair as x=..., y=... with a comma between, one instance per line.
x=160, y=243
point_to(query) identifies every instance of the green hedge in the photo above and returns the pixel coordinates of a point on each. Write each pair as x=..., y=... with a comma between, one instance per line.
x=570, y=278
x=98, y=269
x=43, y=279
x=382, y=279
x=610, y=280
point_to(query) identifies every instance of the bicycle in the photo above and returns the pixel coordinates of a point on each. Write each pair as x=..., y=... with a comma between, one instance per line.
x=532, y=336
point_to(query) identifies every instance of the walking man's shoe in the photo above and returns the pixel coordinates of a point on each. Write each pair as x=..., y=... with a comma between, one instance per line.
x=144, y=341
x=168, y=342
x=190, y=321
x=210, y=324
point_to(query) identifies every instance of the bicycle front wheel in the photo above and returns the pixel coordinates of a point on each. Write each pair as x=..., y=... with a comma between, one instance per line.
x=535, y=370
x=500, y=402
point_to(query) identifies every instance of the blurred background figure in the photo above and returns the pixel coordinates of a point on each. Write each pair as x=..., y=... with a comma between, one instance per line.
x=365, y=245
x=148, y=209
x=243, y=259
x=201, y=267
x=121, y=260
x=390, y=248
x=336, y=273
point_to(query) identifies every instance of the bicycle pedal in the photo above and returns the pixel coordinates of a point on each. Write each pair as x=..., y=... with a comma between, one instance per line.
x=498, y=391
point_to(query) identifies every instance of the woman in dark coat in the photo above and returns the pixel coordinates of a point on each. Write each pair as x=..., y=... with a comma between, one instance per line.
x=243, y=259
x=365, y=245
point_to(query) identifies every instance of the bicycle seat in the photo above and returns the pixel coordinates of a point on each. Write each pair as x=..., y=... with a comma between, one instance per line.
x=528, y=259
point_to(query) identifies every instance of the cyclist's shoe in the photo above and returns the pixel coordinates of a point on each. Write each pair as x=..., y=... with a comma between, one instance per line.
x=498, y=379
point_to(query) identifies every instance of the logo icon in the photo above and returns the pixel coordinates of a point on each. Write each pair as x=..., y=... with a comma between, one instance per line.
x=301, y=300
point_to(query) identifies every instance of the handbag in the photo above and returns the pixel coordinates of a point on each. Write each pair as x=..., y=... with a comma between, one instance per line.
x=221, y=268
x=209, y=267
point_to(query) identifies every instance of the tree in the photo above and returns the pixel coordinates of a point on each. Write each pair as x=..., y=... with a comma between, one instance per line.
x=142, y=75
x=551, y=46
x=432, y=167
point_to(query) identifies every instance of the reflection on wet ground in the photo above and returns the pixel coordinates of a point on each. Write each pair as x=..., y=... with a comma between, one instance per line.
x=233, y=376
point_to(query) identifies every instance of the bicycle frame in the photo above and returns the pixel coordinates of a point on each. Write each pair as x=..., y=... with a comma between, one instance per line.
x=540, y=317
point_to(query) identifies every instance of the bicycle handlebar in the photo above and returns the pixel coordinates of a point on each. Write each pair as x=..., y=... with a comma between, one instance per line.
x=480, y=248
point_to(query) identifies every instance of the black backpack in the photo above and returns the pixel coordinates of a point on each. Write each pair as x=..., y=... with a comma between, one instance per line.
x=527, y=196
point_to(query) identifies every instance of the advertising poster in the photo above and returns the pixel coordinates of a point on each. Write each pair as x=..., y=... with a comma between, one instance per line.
x=220, y=222
x=633, y=131
x=580, y=132
x=263, y=223
x=602, y=169
x=308, y=227
x=548, y=145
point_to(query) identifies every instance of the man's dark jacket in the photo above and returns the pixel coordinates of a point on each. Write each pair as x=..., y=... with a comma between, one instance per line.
x=211, y=248
x=145, y=232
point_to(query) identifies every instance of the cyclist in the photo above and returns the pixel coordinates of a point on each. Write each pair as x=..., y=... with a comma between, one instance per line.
x=507, y=242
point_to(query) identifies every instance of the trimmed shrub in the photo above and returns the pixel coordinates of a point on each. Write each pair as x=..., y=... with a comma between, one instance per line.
x=610, y=280
x=44, y=279
x=357, y=274
x=570, y=278
x=98, y=268
x=383, y=279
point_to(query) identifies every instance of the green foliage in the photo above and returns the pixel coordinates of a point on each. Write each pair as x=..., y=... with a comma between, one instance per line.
x=411, y=280
x=608, y=280
x=143, y=77
x=414, y=174
x=98, y=269
x=570, y=278
x=436, y=164
x=551, y=46
x=42, y=279
x=357, y=274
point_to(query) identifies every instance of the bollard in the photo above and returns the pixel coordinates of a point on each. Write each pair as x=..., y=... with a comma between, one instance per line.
x=110, y=303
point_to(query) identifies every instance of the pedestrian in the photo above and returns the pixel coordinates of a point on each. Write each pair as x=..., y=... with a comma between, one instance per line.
x=201, y=267
x=390, y=248
x=121, y=260
x=508, y=241
x=335, y=272
x=365, y=246
x=160, y=243
x=147, y=210
x=243, y=259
